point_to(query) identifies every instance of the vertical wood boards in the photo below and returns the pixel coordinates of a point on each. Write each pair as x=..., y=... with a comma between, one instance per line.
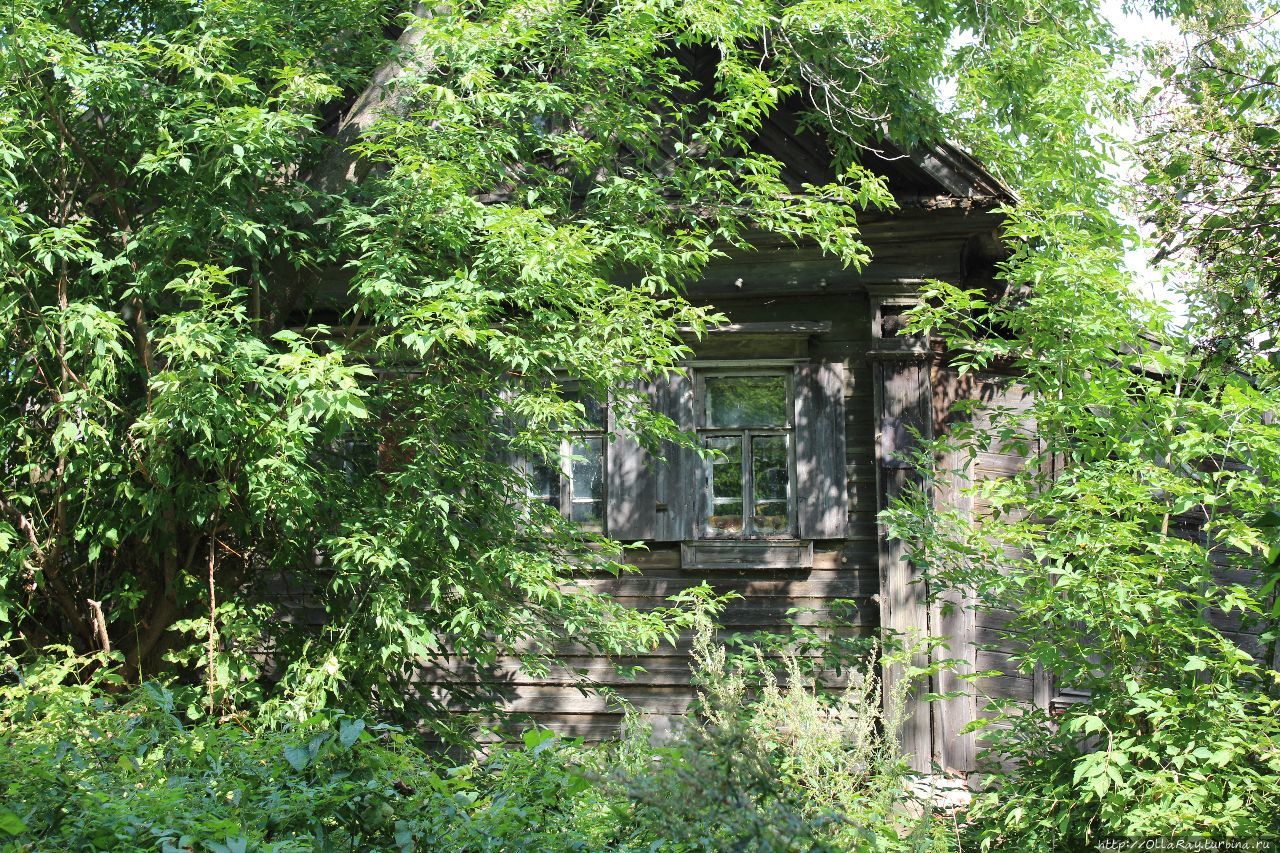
x=675, y=479
x=951, y=614
x=654, y=497
x=823, y=500
x=903, y=400
x=630, y=504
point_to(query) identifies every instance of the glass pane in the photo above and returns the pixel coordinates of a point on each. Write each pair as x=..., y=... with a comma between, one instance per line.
x=594, y=412
x=587, y=483
x=771, y=473
x=746, y=401
x=546, y=484
x=724, y=504
x=593, y=409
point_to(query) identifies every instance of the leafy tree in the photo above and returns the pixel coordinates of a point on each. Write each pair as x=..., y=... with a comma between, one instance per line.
x=1145, y=524
x=263, y=317
x=1142, y=528
x=1212, y=151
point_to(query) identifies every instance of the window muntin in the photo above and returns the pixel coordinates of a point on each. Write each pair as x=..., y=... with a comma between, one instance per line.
x=744, y=417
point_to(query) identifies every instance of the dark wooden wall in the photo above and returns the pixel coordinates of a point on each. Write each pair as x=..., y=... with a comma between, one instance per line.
x=938, y=237
x=845, y=569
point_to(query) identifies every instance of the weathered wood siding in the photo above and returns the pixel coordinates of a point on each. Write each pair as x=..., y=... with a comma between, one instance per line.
x=845, y=568
x=930, y=237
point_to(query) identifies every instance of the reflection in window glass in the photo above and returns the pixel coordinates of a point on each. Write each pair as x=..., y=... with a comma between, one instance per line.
x=594, y=411
x=546, y=484
x=746, y=401
x=586, y=485
x=725, y=493
x=573, y=479
x=769, y=471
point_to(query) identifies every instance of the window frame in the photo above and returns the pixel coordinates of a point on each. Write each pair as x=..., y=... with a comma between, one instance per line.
x=563, y=466
x=705, y=495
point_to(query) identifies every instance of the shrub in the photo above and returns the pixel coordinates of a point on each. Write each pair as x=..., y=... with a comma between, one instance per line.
x=84, y=770
x=1135, y=553
x=1143, y=761
x=765, y=766
x=770, y=766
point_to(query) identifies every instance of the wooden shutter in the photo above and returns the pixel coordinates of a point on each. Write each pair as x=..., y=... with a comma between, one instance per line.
x=677, y=481
x=650, y=498
x=630, y=512
x=822, y=491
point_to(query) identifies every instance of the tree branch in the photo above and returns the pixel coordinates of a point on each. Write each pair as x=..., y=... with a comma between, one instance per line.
x=341, y=166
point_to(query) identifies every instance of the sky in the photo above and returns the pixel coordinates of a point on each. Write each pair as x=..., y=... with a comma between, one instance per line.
x=1145, y=28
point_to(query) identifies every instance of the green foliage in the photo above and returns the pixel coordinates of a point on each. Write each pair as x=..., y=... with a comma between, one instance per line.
x=86, y=772
x=1210, y=148
x=259, y=330
x=254, y=364
x=1132, y=550
x=773, y=762
x=228, y=376
x=1138, y=546
x=1152, y=758
x=767, y=768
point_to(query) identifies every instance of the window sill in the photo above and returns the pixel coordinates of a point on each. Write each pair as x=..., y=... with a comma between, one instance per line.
x=747, y=554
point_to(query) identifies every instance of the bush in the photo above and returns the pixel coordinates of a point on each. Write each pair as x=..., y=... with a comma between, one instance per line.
x=1135, y=554
x=765, y=767
x=770, y=766
x=84, y=770
x=1143, y=761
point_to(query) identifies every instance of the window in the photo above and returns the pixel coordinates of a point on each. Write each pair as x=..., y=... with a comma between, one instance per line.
x=774, y=477
x=745, y=418
x=573, y=482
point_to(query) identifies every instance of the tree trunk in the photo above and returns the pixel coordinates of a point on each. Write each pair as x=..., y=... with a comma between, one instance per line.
x=341, y=165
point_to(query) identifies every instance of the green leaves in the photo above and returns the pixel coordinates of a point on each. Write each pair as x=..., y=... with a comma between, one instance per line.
x=1126, y=552
x=349, y=732
x=298, y=757
x=10, y=823
x=1209, y=140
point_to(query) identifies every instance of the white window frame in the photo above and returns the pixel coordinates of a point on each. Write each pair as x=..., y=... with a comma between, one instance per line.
x=564, y=467
x=746, y=434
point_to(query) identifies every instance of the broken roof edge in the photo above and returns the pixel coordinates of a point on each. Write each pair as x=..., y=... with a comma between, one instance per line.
x=928, y=170
x=952, y=168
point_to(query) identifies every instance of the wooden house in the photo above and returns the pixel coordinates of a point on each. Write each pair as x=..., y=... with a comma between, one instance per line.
x=812, y=396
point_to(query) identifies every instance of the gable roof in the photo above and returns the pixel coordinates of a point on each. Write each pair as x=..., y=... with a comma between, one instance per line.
x=922, y=176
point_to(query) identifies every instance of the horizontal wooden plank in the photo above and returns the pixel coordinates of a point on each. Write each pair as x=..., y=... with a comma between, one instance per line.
x=582, y=672
x=992, y=617
x=1237, y=623
x=994, y=466
x=1004, y=687
x=804, y=585
x=593, y=728
x=683, y=642
x=655, y=558
x=996, y=639
x=988, y=659
x=1252, y=645
x=545, y=699
x=728, y=554
x=778, y=612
